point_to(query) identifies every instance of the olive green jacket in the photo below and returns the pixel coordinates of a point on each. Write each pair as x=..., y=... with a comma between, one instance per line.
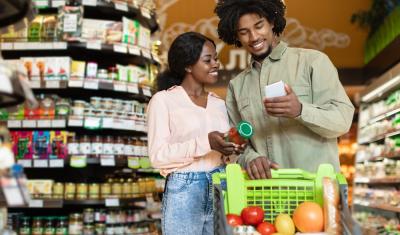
x=302, y=142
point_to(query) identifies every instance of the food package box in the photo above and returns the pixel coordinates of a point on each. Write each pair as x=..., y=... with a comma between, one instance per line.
x=130, y=31
x=144, y=39
x=95, y=29
x=69, y=24
x=35, y=29
x=78, y=69
x=40, y=187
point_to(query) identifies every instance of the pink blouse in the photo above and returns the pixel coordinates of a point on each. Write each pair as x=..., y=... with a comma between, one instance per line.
x=178, y=131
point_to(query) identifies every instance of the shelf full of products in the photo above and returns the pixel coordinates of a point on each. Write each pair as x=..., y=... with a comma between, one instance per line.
x=376, y=191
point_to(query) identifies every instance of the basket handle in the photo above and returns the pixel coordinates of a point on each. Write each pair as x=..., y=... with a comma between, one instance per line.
x=291, y=174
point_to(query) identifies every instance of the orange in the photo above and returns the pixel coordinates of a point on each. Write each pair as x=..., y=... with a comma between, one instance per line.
x=308, y=217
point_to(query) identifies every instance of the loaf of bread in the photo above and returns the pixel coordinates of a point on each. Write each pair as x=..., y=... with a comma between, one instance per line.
x=332, y=224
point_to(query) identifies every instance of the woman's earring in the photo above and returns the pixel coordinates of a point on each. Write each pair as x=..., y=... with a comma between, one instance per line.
x=188, y=70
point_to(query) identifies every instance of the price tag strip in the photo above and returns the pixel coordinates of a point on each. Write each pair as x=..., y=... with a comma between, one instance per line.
x=107, y=160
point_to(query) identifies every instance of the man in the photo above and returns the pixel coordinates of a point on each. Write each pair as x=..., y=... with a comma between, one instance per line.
x=300, y=129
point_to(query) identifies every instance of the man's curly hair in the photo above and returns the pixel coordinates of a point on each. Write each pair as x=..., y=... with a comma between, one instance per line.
x=230, y=11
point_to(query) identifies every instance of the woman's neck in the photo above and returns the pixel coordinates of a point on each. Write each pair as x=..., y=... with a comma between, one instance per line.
x=193, y=88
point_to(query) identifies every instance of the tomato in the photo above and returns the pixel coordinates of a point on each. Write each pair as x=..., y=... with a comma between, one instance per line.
x=252, y=215
x=234, y=220
x=266, y=228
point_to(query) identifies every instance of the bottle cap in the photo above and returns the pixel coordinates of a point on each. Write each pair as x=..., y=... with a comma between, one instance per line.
x=245, y=129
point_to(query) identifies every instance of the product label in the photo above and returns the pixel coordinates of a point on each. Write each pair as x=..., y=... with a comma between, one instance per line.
x=108, y=149
x=85, y=148
x=73, y=148
x=70, y=23
x=97, y=148
x=119, y=149
x=129, y=149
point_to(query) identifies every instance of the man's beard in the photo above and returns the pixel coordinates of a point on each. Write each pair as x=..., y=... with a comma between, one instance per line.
x=264, y=55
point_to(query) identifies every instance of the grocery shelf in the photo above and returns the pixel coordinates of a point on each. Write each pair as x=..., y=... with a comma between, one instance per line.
x=91, y=87
x=386, y=180
x=385, y=207
x=380, y=137
x=107, y=10
x=60, y=203
x=382, y=116
x=391, y=155
x=87, y=123
x=131, y=54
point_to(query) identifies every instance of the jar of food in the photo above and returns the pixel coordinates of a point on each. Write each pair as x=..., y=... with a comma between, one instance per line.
x=142, y=185
x=127, y=188
x=100, y=228
x=108, y=145
x=73, y=145
x=88, y=216
x=70, y=189
x=112, y=73
x=97, y=146
x=91, y=69
x=47, y=107
x=108, y=103
x=127, y=106
x=102, y=74
x=25, y=226
x=61, y=226
x=119, y=146
x=135, y=188
x=96, y=102
x=37, y=226
x=88, y=229
x=85, y=146
x=94, y=191
x=100, y=216
x=82, y=191
x=58, y=190
x=119, y=229
x=150, y=185
x=129, y=147
x=78, y=108
x=105, y=190
x=110, y=229
x=49, y=226
x=75, y=226
x=62, y=108
x=116, y=189
x=88, y=112
x=117, y=105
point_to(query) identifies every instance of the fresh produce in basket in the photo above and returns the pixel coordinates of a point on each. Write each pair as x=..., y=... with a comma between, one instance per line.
x=308, y=217
x=234, y=220
x=252, y=215
x=284, y=224
x=266, y=228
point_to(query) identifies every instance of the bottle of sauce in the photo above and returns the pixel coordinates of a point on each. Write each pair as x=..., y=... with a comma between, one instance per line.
x=241, y=133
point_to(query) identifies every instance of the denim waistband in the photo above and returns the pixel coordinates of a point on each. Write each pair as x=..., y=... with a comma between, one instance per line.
x=195, y=175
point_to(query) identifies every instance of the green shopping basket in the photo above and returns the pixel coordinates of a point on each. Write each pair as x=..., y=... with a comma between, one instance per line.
x=281, y=194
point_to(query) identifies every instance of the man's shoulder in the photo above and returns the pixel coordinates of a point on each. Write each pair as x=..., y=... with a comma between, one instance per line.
x=239, y=78
x=308, y=54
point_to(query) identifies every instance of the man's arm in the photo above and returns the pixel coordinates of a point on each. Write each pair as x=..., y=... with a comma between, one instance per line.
x=331, y=113
x=256, y=166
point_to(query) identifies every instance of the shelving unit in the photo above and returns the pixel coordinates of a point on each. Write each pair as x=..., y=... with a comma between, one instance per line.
x=377, y=181
x=92, y=168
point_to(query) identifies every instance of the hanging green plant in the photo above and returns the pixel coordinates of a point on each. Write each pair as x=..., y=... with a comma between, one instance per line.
x=374, y=17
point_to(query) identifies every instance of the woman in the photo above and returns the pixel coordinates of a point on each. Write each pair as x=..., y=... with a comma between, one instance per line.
x=185, y=133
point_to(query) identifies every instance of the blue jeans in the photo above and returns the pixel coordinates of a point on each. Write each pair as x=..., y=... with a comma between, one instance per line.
x=188, y=203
